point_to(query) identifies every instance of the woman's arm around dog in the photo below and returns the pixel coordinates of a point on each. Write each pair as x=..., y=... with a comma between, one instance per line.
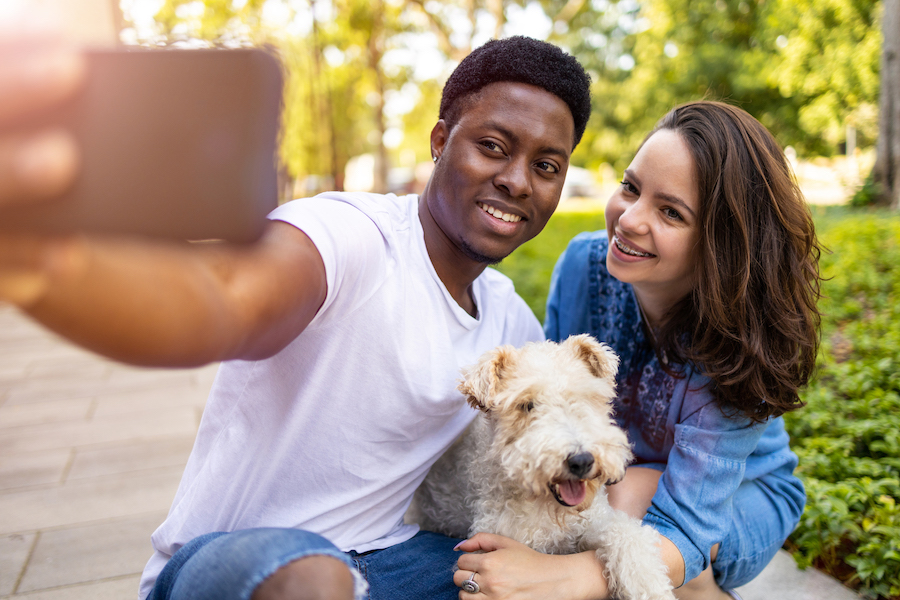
x=508, y=570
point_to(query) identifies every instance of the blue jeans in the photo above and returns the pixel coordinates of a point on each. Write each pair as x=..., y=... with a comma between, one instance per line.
x=229, y=566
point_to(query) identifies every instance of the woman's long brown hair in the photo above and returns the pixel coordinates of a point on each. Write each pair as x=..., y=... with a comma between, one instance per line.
x=751, y=323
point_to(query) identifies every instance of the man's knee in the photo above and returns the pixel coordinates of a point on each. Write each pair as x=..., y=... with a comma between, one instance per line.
x=317, y=577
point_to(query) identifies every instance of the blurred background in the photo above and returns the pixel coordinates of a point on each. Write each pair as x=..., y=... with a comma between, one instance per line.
x=364, y=76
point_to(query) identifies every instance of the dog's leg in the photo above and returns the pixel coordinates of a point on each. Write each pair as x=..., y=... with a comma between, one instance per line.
x=629, y=550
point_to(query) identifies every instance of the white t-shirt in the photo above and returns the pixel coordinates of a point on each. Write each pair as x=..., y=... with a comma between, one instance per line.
x=334, y=433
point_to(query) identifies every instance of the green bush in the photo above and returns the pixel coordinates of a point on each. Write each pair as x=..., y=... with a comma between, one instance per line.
x=848, y=435
x=867, y=193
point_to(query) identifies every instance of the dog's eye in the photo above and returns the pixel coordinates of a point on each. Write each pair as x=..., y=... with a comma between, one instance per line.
x=528, y=406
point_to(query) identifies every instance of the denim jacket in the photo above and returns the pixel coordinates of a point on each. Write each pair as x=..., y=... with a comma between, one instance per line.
x=672, y=422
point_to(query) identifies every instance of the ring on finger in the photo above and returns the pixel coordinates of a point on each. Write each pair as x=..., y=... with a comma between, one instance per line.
x=470, y=585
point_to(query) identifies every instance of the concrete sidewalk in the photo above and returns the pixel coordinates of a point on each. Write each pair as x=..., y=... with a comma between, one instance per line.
x=91, y=453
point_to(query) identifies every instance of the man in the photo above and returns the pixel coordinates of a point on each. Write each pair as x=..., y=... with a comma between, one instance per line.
x=343, y=330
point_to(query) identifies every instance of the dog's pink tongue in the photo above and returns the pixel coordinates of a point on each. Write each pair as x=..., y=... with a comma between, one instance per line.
x=572, y=492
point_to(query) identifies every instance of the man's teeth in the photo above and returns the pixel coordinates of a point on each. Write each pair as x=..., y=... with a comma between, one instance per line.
x=497, y=214
x=630, y=251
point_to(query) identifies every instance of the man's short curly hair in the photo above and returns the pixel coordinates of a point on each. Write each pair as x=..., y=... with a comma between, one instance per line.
x=522, y=60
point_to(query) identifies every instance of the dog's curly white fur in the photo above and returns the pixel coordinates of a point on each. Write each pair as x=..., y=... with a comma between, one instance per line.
x=534, y=464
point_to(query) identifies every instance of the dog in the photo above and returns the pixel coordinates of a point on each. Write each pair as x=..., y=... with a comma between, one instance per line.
x=534, y=463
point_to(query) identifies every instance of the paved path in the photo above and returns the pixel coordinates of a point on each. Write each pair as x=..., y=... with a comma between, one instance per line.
x=91, y=453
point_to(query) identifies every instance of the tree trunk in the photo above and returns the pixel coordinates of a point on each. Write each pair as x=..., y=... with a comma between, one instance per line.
x=886, y=172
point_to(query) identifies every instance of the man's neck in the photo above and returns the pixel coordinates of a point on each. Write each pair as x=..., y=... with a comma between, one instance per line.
x=455, y=269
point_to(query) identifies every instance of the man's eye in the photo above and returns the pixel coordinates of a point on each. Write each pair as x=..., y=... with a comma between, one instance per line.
x=548, y=167
x=491, y=146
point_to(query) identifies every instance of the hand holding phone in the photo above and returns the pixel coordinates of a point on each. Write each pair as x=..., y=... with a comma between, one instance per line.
x=172, y=143
x=43, y=162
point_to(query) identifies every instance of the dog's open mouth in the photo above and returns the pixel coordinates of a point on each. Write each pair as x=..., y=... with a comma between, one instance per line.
x=569, y=492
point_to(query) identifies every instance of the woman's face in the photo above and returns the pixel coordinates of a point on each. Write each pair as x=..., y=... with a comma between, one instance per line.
x=652, y=221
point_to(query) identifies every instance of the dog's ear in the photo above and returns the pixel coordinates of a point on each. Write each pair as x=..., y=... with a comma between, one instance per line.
x=600, y=358
x=482, y=380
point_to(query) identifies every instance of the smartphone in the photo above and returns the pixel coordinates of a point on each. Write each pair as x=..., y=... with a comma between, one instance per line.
x=174, y=143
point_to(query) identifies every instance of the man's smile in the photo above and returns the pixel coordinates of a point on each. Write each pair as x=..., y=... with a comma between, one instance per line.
x=498, y=214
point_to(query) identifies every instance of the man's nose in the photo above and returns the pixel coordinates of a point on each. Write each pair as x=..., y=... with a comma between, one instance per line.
x=515, y=178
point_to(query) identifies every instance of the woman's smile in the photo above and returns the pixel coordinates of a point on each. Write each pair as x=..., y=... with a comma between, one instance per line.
x=652, y=221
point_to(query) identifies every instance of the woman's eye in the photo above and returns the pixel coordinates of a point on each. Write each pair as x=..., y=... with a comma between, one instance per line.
x=547, y=167
x=673, y=214
x=629, y=187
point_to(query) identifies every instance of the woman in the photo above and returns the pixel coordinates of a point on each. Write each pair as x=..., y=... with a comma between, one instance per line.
x=705, y=282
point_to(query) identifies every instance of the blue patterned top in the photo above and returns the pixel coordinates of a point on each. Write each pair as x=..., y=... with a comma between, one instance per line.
x=672, y=421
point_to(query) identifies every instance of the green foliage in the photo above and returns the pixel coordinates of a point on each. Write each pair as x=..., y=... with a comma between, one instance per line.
x=830, y=63
x=848, y=434
x=867, y=194
x=805, y=68
x=334, y=77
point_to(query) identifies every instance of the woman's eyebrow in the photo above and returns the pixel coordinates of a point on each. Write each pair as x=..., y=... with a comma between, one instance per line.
x=670, y=198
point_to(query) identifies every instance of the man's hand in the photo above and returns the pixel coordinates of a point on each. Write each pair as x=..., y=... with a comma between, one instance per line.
x=144, y=301
x=35, y=74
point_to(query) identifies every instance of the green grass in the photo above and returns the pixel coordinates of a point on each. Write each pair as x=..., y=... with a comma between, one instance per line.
x=531, y=266
x=848, y=435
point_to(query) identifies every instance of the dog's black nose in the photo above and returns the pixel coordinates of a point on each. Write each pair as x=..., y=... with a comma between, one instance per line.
x=580, y=464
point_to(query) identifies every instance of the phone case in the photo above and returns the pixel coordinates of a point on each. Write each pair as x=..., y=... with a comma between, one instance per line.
x=175, y=143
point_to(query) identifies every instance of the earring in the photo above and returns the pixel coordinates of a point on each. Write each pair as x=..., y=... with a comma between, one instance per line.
x=434, y=158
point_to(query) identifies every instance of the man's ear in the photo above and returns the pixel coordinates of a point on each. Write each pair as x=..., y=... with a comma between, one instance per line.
x=440, y=133
x=484, y=379
x=600, y=358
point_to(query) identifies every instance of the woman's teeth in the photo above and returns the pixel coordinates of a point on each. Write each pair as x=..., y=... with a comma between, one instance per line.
x=629, y=250
x=497, y=214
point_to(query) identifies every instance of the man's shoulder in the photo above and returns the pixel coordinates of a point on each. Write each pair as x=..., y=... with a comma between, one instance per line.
x=503, y=297
x=366, y=199
x=351, y=218
x=381, y=208
x=497, y=284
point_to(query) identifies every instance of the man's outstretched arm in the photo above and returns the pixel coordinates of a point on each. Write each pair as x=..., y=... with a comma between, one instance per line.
x=145, y=302
x=172, y=304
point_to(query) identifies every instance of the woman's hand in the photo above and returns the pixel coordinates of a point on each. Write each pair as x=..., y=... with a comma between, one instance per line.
x=507, y=570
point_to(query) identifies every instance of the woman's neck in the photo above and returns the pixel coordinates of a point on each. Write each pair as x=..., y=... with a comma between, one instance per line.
x=653, y=313
x=653, y=307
